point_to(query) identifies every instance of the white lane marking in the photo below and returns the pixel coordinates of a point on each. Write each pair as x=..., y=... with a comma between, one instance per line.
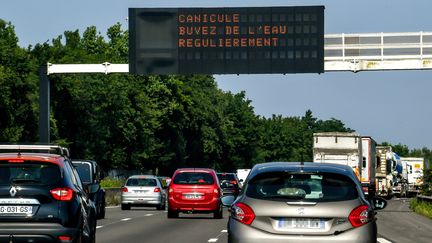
x=98, y=227
x=382, y=240
x=112, y=207
x=149, y=214
x=213, y=240
x=224, y=231
x=125, y=219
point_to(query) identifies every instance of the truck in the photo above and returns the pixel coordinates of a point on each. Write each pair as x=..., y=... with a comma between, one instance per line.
x=242, y=174
x=339, y=148
x=389, y=173
x=368, y=166
x=414, y=168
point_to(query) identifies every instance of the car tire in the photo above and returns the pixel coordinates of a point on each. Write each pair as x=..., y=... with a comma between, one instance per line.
x=218, y=214
x=101, y=214
x=125, y=207
x=172, y=214
x=160, y=206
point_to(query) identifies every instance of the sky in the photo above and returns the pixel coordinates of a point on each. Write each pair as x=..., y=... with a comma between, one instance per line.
x=390, y=106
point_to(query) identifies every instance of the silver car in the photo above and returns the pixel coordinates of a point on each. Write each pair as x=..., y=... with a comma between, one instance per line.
x=302, y=202
x=143, y=190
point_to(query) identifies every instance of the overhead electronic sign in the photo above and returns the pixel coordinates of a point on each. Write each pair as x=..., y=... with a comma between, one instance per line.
x=226, y=40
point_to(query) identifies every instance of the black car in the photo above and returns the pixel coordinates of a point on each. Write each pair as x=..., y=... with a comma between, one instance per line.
x=90, y=174
x=42, y=198
x=229, y=183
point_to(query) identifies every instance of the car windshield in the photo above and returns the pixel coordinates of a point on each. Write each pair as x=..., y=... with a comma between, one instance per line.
x=194, y=178
x=29, y=172
x=84, y=172
x=316, y=187
x=141, y=182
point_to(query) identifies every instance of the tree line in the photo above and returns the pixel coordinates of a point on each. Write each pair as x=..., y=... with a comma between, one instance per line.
x=156, y=122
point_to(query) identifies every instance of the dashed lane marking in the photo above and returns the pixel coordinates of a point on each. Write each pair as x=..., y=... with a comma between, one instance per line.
x=148, y=215
x=126, y=219
x=98, y=227
x=382, y=240
x=224, y=231
x=213, y=240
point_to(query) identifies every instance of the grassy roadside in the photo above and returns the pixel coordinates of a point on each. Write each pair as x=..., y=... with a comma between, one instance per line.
x=421, y=207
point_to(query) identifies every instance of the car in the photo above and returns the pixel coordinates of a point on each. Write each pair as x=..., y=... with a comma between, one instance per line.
x=229, y=183
x=143, y=190
x=194, y=190
x=42, y=198
x=302, y=202
x=90, y=173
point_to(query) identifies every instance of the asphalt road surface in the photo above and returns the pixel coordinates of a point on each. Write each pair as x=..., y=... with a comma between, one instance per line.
x=396, y=224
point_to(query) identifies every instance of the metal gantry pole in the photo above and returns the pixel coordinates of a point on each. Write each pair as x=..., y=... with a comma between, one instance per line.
x=44, y=105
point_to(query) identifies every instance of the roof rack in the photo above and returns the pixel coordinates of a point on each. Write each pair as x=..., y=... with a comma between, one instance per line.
x=57, y=149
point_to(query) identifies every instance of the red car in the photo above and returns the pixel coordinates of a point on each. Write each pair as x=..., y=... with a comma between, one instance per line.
x=194, y=190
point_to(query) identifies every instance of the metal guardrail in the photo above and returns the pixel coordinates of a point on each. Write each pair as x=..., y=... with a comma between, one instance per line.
x=425, y=198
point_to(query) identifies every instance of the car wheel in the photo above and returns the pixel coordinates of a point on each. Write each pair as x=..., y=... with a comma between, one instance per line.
x=218, y=214
x=172, y=214
x=125, y=207
x=102, y=211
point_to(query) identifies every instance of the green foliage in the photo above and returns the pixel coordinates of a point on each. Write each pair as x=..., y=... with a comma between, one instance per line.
x=421, y=207
x=427, y=183
x=110, y=182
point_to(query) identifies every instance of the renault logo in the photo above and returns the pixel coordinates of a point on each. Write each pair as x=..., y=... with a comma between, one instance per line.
x=300, y=211
x=13, y=191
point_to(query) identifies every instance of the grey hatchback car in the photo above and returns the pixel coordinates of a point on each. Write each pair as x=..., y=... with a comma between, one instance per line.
x=302, y=202
x=143, y=190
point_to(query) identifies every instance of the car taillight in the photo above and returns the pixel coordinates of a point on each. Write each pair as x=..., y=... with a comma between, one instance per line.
x=62, y=194
x=124, y=189
x=359, y=216
x=16, y=161
x=242, y=213
x=157, y=189
x=234, y=182
x=65, y=238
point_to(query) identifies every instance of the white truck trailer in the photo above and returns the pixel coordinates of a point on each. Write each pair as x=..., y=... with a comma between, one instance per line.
x=414, y=167
x=368, y=166
x=339, y=148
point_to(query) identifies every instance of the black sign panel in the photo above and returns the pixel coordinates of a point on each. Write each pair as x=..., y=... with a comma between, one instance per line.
x=226, y=40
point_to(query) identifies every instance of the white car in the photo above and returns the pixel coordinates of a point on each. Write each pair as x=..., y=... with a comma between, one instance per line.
x=143, y=190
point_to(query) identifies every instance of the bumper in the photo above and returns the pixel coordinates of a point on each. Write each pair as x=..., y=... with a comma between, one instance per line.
x=240, y=233
x=34, y=232
x=213, y=205
x=144, y=200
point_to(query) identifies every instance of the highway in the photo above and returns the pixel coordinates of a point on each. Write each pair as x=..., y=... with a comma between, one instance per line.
x=396, y=224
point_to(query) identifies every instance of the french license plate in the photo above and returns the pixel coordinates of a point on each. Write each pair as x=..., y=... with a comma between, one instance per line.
x=192, y=196
x=141, y=191
x=16, y=209
x=299, y=223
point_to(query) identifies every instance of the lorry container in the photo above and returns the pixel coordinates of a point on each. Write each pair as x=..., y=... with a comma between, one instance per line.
x=339, y=148
x=389, y=172
x=414, y=168
x=368, y=166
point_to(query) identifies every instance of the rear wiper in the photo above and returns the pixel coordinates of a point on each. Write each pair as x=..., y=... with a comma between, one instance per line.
x=17, y=180
x=284, y=196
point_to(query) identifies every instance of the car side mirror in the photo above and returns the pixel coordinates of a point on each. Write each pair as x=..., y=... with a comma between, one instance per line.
x=379, y=203
x=91, y=188
x=228, y=200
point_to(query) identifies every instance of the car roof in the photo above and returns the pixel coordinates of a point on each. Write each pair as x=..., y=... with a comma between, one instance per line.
x=142, y=177
x=194, y=170
x=302, y=167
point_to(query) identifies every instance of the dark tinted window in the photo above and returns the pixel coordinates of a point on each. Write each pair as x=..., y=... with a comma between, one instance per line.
x=228, y=177
x=308, y=187
x=227, y=180
x=194, y=178
x=84, y=172
x=141, y=182
x=29, y=172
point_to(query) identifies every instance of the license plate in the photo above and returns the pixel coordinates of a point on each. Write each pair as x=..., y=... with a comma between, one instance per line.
x=141, y=191
x=299, y=223
x=192, y=196
x=16, y=209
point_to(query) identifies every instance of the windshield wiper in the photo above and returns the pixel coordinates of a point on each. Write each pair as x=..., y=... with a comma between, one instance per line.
x=18, y=180
x=285, y=196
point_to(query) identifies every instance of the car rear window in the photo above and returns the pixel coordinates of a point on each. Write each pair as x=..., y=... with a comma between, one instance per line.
x=84, y=171
x=316, y=187
x=194, y=178
x=29, y=172
x=227, y=180
x=141, y=182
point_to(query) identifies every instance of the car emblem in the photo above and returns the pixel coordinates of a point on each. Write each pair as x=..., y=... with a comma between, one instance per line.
x=13, y=191
x=300, y=211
